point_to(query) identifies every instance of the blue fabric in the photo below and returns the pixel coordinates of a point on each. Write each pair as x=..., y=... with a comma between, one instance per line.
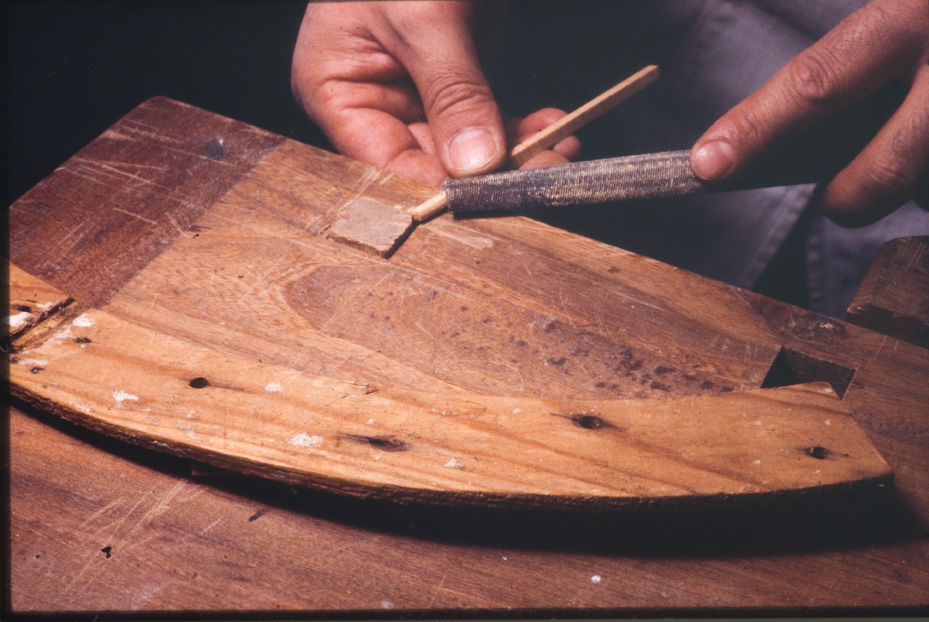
x=712, y=54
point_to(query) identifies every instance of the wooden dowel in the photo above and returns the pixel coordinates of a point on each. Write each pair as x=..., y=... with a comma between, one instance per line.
x=572, y=122
x=430, y=207
x=558, y=130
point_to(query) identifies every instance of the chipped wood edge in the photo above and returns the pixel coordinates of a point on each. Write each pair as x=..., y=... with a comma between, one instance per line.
x=32, y=303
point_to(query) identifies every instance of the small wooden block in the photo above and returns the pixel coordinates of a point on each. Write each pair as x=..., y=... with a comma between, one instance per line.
x=372, y=226
x=893, y=299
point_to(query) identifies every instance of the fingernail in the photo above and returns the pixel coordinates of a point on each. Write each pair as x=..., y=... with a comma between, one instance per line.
x=712, y=160
x=471, y=151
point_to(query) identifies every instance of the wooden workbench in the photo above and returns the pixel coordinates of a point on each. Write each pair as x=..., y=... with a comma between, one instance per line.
x=502, y=306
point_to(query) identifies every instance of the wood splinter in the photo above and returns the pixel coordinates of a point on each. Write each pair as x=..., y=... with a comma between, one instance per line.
x=567, y=125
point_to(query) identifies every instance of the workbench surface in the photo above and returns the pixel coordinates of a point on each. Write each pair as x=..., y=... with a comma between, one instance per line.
x=504, y=306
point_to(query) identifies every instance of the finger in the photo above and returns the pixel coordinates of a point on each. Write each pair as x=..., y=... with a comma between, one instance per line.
x=568, y=147
x=384, y=141
x=544, y=158
x=437, y=48
x=878, y=43
x=892, y=168
x=562, y=152
x=423, y=136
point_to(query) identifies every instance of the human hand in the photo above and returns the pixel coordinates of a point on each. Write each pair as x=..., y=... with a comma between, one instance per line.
x=886, y=40
x=399, y=85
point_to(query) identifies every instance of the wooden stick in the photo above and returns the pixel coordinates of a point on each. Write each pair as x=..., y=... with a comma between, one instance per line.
x=565, y=126
x=572, y=122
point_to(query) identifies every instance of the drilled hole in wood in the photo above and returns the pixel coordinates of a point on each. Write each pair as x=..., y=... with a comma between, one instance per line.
x=820, y=453
x=199, y=382
x=792, y=367
x=386, y=443
x=589, y=422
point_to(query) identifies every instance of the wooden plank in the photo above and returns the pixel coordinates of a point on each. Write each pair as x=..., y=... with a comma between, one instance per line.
x=893, y=299
x=620, y=323
x=375, y=441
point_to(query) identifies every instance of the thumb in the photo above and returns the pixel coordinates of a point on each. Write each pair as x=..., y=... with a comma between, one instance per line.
x=463, y=116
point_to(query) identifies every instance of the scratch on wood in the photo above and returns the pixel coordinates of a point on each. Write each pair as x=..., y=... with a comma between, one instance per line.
x=134, y=215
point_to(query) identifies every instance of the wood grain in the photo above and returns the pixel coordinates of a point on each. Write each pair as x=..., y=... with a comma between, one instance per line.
x=502, y=307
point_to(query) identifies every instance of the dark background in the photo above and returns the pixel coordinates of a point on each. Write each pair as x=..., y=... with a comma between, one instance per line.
x=72, y=69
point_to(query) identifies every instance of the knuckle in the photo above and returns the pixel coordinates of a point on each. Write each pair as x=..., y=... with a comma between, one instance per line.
x=454, y=93
x=892, y=174
x=813, y=78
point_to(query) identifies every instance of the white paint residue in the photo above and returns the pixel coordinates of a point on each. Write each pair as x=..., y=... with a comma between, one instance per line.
x=191, y=433
x=453, y=464
x=595, y=579
x=62, y=335
x=84, y=408
x=828, y=421
x=121, y=396
x=83, y=321
x=304, y=440
x=274, y=387
x=18, y=320
x=33, y=362
x=386, y=604
x=516, y=411
x=370, y=422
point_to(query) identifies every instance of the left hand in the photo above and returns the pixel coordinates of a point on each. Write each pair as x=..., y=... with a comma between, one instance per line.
x=884, y=41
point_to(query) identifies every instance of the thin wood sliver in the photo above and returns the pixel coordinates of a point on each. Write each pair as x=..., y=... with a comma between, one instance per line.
x=558, y=130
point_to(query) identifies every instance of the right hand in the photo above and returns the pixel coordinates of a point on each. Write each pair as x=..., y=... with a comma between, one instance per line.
x=399, y=85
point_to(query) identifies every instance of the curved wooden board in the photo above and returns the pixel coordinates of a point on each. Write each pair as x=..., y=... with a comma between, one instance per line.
x=447, y=447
